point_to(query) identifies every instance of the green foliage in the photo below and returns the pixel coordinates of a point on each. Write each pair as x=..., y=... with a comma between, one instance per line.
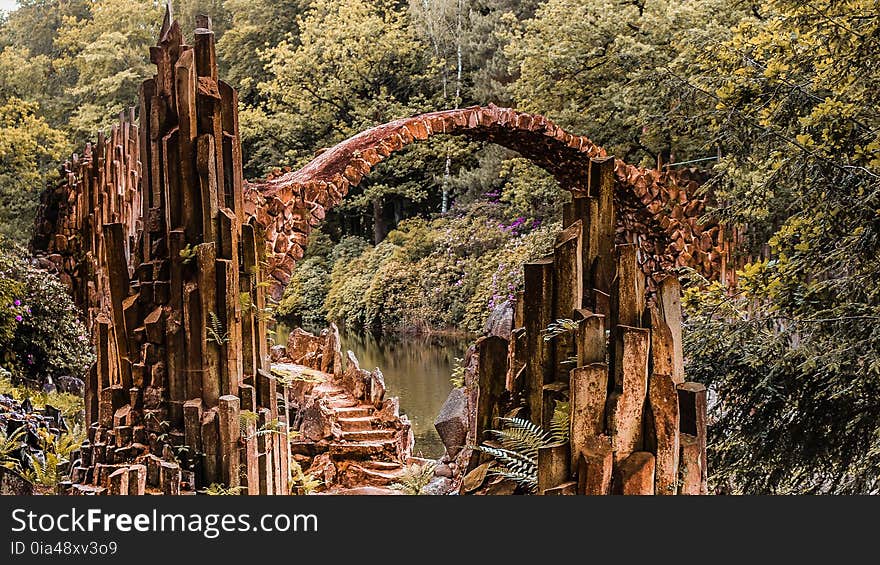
x=216, y=332
x=559, y=327
x=517, y=457
x=255, y=25
x=216, y=489
x=51, y=466
x=450, y=272
x=246, y=418
x=10, y=444
x=458, y=372
x=303, y=300
x=560, y=422
x=300, y=482
x=187, y=254
x=108, y=54
x=28, y=150
x=415, y=478
x=603, y=68
x=40, y=334
x=70, y=405
x=794, y=356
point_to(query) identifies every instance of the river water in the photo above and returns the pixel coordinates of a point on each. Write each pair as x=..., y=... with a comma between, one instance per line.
x=416, y=369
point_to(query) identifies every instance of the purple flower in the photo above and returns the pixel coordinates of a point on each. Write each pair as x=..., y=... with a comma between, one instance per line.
x=18, y=318
x=17, y=302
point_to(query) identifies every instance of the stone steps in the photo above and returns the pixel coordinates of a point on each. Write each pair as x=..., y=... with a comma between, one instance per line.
x=380, y=465
x=377, y=450
x=357, y=411
x=343, y=402
x=368, y=435
x=357, y=475
x=359, y=424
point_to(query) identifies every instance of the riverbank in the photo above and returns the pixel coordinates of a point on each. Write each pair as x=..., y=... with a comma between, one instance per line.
x=417, y=370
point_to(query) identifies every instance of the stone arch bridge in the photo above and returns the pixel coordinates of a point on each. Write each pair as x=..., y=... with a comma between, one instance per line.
x=170, y=253
x=658, y=209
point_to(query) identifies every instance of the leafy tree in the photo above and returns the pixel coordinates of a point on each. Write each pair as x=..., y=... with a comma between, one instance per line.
x=28, y=150
x=603, y=69
x=255, y=26
x=355, y=65
x=108, y=53
x=795, y=356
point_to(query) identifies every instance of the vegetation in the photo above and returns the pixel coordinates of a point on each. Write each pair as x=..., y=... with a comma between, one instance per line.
x=775, y=99
x=415, y=478
x=51, y=465
x=40, y=334
x=515, y=446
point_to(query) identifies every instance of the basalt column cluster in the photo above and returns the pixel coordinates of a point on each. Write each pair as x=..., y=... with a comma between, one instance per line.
x=170, y=271
x=589, y=333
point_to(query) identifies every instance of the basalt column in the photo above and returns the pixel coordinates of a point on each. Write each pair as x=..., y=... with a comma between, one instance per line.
x=179, y=304
x=597, y=340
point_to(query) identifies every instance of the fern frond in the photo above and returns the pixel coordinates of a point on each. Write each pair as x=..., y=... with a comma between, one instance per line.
x=559, y=424
x=415, y=478
x=527, y=426
x=527, y=480
x=216, y=333
x=520, y=440
x=510, y=458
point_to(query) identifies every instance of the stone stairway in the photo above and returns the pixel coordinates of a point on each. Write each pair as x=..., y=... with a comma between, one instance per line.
x=365, y=450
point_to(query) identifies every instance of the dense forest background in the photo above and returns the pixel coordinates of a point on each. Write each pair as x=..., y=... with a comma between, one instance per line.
x=776, y=100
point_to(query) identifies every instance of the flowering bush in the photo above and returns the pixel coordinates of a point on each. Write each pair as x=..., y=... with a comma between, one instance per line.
x=446, y=273
x=40, y=334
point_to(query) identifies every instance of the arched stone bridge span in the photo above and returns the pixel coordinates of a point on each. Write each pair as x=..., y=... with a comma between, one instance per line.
x=656, y=209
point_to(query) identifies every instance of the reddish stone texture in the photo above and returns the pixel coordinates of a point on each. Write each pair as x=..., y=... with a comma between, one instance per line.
x=658, y=209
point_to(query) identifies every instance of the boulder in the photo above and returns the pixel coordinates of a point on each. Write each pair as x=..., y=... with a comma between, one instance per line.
x=355, y=380
x=331, y=354
x=304, y=348
x=500, y=321
x=438, y=486
x=317, y=420
x=277, y=353
x=70, y=385
x=452, y=422
x=390, y=412
x=443, y=470
x=323, y=469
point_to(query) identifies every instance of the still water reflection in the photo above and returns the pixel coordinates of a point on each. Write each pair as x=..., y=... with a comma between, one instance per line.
x=416, y=369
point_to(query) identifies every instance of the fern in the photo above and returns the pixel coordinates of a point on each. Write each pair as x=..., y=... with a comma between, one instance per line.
x=559, y=327
x=457, y=378
x=520, y=439
x=217, y=489
x=301, y=482
x=187, y=254
x=415, y=478
x=247, y=304
x=273, y=427
x=56, y=453
x=9, y=445
x=216, y=333
x=559, y=423
x=245, y=418
x=517, y=457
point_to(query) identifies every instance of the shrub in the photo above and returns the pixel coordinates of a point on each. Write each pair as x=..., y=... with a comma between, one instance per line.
x=40, y=333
